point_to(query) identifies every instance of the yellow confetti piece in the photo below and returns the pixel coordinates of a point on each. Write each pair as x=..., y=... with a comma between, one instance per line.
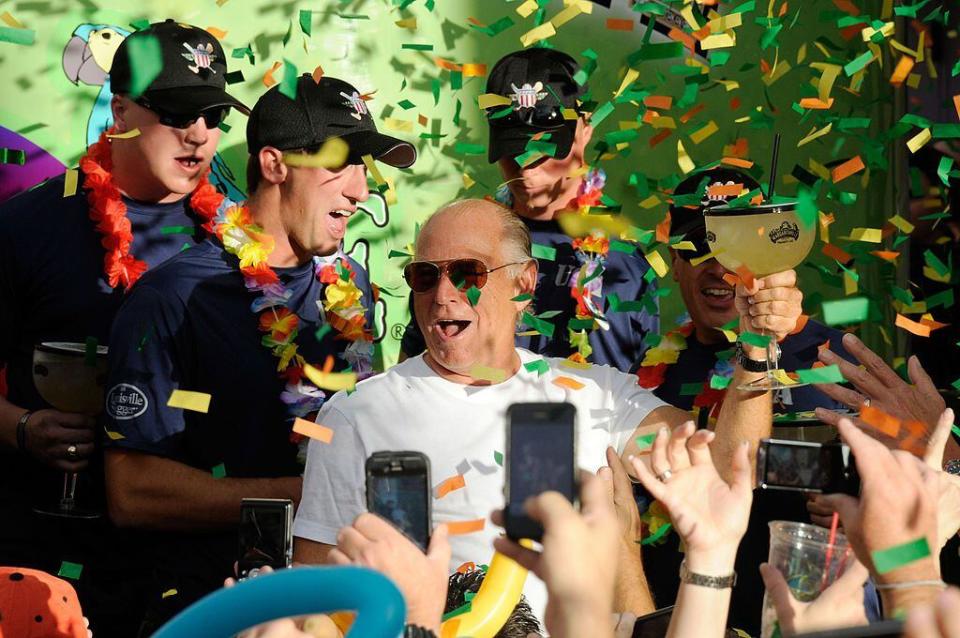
x=219, y=34
x=701, y=134
x=568, y=382
x=684, y=245
x=408, y=23
x=11, y=21
x=333, y=154
x=782, y=377
x=395, y=124
x=333, y=381
x=776, y=73
x=829, y=75
x=849, y=284
x=372, y=168
x=913, y=80
x=536, y=34
x=628, y=79
x=70, y=182
x=886, y=31
x=190, y=400
x=718, y=41
x=487, y=100
x=730, y=335
x=114, y=436
x=576, y=365
x=696, y=261
x=655, y=259
x=872, y=235
x=916, y=142
x=683, y=159
x=484, y=373
x=313, y=430
x=723, y=23
x=565, y=16
x=815, y=134
x=650, y=202
x=468, y=181
x=905, y=226
x=527, y=8
x=125, y=136
x=169, y=593
x=474, y=70
x=933, y=275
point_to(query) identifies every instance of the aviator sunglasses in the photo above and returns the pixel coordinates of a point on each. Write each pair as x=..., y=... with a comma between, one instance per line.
x=423, y=276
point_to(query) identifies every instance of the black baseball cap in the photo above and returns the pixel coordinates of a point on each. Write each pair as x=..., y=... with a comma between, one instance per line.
x=539, y=83
x=687, y=221
x=193, y=74
x=323, y=110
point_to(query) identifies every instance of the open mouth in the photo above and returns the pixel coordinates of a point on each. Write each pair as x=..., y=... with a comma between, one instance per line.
x=451, y=328
x=718, y=296
x=337, y=222
x=189, y=162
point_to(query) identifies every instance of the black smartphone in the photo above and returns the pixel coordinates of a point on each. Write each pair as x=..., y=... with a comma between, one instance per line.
x=540, y=456
x=398, y=490
x=882, y=629
x=801, y=466
x=266, y=535
x=653, y=625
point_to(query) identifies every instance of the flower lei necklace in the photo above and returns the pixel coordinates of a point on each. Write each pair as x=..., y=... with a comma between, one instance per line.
x=586, y=287
x=341, y=307
x=109, y=213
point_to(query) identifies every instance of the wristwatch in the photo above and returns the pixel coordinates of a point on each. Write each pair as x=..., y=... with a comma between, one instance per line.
x=416, y=631
x=952, y=467
x=714, y=582
x=748, y=364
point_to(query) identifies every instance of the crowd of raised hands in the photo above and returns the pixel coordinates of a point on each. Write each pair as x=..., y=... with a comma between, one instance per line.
x=589, y=555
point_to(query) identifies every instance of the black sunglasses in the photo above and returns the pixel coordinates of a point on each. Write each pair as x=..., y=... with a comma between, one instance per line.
x=212, y=116
x=543, y=116
x=423, y=276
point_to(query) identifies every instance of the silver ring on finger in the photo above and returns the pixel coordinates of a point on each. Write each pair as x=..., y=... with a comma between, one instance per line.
x=664, y=476
x=72, y=452
x=866, y=401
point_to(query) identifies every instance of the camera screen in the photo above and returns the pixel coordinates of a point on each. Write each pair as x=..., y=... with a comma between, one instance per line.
x=541, y=459
x=800, y=466
x=402, y=500
x=263, y=537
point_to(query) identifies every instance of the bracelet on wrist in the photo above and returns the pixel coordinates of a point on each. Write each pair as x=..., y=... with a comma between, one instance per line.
x=702, y=580
x=22, y=430
x=416, y=631
x=910, y=584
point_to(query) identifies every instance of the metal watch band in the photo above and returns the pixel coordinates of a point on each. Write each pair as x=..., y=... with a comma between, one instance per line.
x=750, y=365
x=952, y=467
x=713, y=582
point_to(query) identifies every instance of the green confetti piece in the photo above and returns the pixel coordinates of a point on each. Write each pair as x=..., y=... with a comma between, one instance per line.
x=580, y=324
x=954, y=428
x=322, y=331
x=523, y=297
x=234, y=77
x=660, y=533
x=146, y=62
x=752, y=338
x=435, y=90
x=656, y=52
x=90, y=352
x=623, y=246
x=930, y=259
x=456, y=80
x=288, y=85
x=406, y=105
x=543, y=327
x=140, y=25
x=12, y=156
x=719, y=383
x=306, y=21
x=398, y=253
x=887, y=560
x=497, y=27
x=286, y=37
x=540, y=366
x=417, y=47
x=223, y=126
x=540, y=251
x=177, y=230
x=18, y=36
x=473, y=295
x=858, y=63
x=826, y=374
x=245, y=51
x=219, y=471
x=601, y=113
x=845, y=311
x=498, y=458
x=719, y=58
x=70, y=570
x=462, y=609
x=466, y=148
x=691, y=389
x=645, y=441
x=616, y=305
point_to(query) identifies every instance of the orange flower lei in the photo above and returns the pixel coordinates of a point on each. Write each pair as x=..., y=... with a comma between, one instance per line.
x=109, y=213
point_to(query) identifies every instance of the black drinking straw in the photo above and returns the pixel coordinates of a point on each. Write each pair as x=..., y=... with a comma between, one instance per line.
x=773, y=166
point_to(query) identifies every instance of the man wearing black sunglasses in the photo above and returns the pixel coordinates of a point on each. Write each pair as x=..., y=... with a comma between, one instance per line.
x=538, y=138
x=69, y=251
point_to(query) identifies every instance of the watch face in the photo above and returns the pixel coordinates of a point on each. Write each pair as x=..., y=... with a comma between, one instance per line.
x=952, y=467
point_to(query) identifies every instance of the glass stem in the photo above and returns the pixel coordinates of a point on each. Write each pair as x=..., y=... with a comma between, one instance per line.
x=69, y=490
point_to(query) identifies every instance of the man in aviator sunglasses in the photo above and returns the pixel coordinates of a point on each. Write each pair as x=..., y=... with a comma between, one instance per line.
x=544, y=99
x=59, y=265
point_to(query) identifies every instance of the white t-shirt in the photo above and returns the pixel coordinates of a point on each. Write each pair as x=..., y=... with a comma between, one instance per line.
x=459, y=428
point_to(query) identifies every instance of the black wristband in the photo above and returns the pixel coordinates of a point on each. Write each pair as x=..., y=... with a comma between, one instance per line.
x=416, y=631
x=748, y=364
x=22, y=430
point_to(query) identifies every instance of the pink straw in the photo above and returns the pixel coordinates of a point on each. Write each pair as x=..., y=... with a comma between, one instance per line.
x=833, y=537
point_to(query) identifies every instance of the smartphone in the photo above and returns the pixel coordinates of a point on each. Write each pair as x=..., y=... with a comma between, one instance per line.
x=802, y=466
x=540, y=456
x=653, y=625
x=266, y=535
x=398, y=490
x=882, y=629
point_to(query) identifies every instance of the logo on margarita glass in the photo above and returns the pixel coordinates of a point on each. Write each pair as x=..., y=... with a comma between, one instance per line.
x=785, y=233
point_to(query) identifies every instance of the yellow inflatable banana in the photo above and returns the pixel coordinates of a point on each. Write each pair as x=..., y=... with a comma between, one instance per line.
x=498, y=595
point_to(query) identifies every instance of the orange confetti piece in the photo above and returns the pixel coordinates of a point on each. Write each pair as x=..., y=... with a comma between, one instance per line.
x=567, y=382
x=912, y=327
x=848, y=168
x=887, y=255
x=814, y=103
x=663, y=102
x=956, y=105
x=450, y=484
x=745, y=276
x=615, y=24
x=688, y=40
x=736, y=161
x=422, y=119
x=902, y=70
x=734, y=104
x=219, y=34
x=659, y=137
x=847, y=7
x=663, y=230
x=689, y=114
x=447, y=64
x=725, y=190
x=475, y=22
x=650, y=117
x=889, y=425
x=317, y=74
x=468, y=566
x=835, y=252
x=731, y=279
x=801, y=324
x=474, y=70
x=458, y=528
x=313, y=430
x=268, y=80
x=930, y=323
